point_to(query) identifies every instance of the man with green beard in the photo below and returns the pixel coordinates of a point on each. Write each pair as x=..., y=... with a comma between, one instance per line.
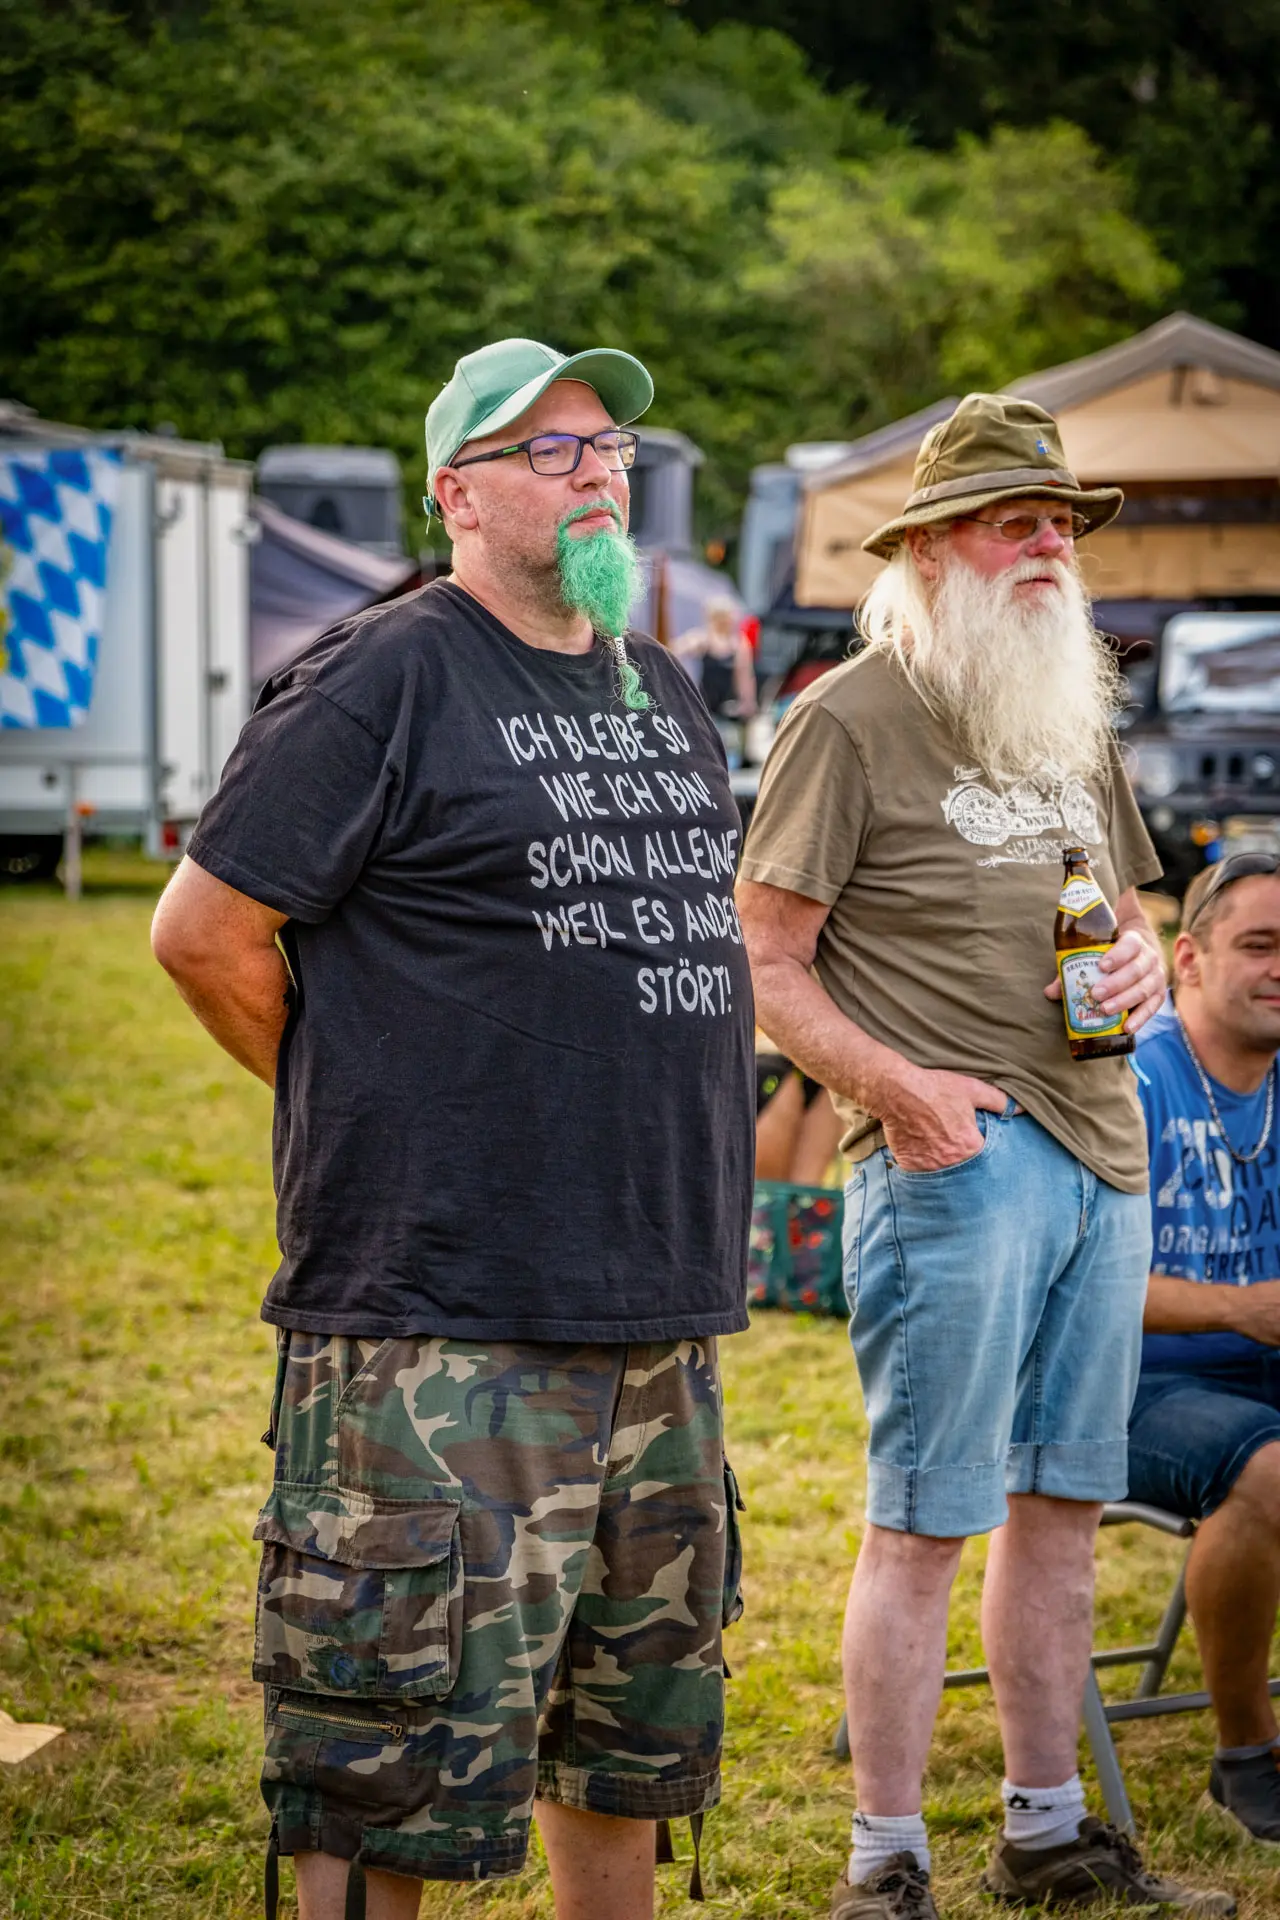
x=463, y=898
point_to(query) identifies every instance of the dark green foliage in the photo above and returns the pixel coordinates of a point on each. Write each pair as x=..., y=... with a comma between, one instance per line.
x=276, y=221
x=1186, y=96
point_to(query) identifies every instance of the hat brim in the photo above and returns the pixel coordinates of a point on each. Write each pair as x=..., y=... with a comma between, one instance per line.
x=624, y=387
x=1099, y=505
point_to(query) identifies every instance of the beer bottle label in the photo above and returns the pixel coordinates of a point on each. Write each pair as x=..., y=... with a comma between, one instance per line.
x=1084, y=988
x=1079, y=896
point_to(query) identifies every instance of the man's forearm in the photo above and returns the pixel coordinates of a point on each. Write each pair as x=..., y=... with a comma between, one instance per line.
x=244, y=1010
x=218, y=946
x=1189, y=1306
x=928, y=1115
x=801, y=1018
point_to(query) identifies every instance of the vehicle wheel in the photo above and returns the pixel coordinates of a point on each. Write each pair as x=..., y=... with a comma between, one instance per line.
x=29, y=859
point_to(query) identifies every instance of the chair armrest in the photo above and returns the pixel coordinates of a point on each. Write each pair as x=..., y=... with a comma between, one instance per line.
x=1120, y=1513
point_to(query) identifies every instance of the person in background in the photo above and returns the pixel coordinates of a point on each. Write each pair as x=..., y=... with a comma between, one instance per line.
x=717, y=656
x=1204, y=1439
x=797, y=1128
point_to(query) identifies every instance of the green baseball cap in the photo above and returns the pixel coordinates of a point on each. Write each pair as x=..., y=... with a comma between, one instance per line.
x=492, y=387
x=991, y=448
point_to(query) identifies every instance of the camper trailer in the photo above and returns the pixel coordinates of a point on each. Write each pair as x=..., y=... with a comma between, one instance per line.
x=126, y=677
x=148, y=594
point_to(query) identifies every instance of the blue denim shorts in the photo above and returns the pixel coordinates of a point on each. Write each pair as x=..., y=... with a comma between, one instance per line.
x=997, y=1323
x=1193, y=1434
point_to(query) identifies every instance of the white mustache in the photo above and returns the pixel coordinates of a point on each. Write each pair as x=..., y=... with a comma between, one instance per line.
x=1057, y=570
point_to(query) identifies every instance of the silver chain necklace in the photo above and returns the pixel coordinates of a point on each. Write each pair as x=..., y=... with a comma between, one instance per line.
x=1242, y=1159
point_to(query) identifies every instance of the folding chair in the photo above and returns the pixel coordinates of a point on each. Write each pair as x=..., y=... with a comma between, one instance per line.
x=1146, y=1702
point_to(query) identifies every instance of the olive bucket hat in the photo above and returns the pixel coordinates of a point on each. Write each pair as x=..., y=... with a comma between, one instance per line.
x=991, y=448
x=494, y=385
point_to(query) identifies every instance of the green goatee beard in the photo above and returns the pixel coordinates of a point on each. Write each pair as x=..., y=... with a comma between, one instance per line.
x=600, y=578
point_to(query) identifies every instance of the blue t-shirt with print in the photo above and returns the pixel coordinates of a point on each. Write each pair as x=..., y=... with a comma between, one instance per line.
x=1213, y=1218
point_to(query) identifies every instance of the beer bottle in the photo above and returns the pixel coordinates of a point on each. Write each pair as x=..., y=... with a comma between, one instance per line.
x=1085, y=927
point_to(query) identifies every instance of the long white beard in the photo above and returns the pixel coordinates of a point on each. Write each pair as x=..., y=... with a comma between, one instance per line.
x=1024, y=682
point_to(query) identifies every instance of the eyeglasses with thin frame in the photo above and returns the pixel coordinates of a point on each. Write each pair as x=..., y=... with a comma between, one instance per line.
x=1023, y=526
x=1236, y=866
x=557, y=453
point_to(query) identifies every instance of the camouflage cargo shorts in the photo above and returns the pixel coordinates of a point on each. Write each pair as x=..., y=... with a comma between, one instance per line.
x=490, y=1572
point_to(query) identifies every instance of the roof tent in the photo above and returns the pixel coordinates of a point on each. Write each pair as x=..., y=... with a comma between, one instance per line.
x=1185, y=417
x=303, y=580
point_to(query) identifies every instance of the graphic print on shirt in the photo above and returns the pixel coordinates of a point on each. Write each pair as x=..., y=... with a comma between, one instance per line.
x=1025, y=819
x=611, y=787
x=1239, y=1240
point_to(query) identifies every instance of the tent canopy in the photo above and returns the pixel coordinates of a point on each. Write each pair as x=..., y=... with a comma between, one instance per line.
x=303, y=580
x=1186, y=417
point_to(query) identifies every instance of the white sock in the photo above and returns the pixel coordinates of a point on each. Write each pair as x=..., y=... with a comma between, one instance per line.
x=1043, y=1816
x=878, y=1836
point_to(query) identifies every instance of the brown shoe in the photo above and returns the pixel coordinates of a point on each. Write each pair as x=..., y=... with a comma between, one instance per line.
x=1100, y=1860
x=899, y=1890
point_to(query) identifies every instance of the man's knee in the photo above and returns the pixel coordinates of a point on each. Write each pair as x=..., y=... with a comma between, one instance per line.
x=1053, y=1519
x=926, y=1556
x=323, y=1882
x=1255, y=1493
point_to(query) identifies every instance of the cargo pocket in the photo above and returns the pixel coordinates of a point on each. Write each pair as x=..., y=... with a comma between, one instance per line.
x=360, y=1760
x=733, y=1506
x=356, y=1599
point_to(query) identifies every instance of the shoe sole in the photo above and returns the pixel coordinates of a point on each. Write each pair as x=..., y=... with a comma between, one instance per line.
x=1077, y=1900
x=1234, y=1823
x=1081, y=1900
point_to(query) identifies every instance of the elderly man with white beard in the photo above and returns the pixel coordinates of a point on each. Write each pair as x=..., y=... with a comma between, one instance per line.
x=898, y=892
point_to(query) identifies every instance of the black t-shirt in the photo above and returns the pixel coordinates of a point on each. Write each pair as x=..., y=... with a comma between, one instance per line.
x=514, y=1091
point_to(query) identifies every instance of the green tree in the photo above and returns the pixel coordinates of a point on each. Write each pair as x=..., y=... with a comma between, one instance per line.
x=1204, y=176
x=277, y=221
x=926, y=273
x=1184, y=96
x=285, y=228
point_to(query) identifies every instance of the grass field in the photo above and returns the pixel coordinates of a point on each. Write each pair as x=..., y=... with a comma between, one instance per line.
x=136, y=1240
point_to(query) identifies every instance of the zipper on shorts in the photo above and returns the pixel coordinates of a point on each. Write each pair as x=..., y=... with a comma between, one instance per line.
x=390, y=1728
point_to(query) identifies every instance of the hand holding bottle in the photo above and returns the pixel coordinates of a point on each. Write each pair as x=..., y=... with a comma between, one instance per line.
x=1134, y=977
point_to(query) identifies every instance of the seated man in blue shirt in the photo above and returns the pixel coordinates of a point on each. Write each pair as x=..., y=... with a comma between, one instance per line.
x=1205, y=1434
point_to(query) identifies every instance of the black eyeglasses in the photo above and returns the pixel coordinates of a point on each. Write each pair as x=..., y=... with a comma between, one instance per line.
x=560, y=452
x=1022, y=526
x=1236, y=866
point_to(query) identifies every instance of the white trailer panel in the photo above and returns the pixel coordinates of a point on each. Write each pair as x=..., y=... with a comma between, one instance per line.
x=172, y=686
x=181, y=613
x=231, y=533
x=113, y=747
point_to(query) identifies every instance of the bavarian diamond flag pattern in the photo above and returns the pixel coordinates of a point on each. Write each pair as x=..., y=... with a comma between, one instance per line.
x=56, y=508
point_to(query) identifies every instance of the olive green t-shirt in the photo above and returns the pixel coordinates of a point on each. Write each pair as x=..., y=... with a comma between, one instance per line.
x=943, y=884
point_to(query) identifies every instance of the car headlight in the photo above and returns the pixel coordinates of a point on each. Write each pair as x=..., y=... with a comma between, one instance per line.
x=1156, y=771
